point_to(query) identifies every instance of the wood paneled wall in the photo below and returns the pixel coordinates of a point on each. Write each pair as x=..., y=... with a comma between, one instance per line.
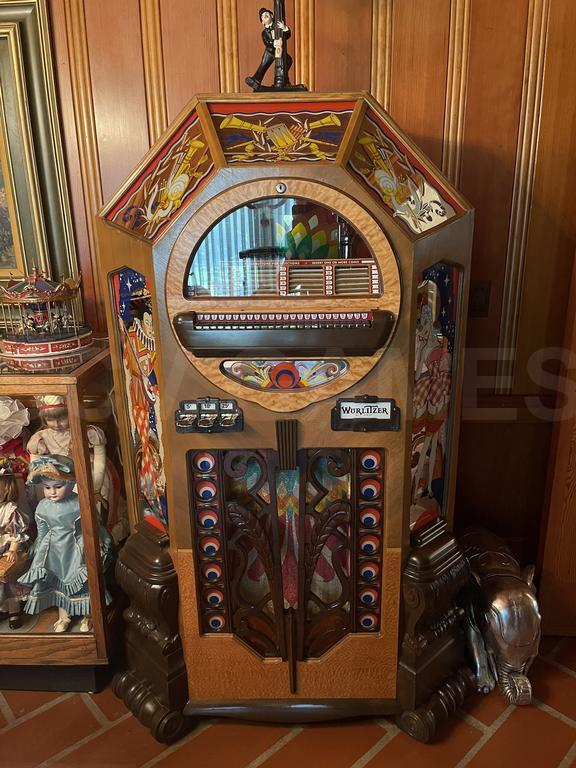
x=486, y=87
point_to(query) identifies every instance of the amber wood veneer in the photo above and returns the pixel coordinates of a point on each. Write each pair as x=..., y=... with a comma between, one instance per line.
x=307, y=189
x=358, y=667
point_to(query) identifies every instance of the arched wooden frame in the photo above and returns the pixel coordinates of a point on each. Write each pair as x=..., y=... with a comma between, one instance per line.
x=342, y=204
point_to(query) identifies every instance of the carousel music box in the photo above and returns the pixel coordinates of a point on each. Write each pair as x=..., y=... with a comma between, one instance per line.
x=287, y=280
x=42, y=324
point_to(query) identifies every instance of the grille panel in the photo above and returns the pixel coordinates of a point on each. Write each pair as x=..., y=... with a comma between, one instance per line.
x=306, y=281
x=352, y=280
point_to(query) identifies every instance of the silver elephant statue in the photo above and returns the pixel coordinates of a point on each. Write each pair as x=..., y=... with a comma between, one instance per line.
x=502, y=616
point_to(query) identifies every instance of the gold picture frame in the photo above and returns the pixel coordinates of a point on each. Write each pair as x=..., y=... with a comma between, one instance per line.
x=33, y=187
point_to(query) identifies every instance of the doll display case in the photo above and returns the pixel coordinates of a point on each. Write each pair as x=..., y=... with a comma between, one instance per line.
x=60, y=521
x=287, y=279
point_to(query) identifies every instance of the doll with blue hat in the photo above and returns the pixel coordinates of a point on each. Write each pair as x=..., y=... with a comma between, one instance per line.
x=58, y=576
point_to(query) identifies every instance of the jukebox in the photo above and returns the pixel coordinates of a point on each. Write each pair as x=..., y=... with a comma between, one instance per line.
x=286, y=278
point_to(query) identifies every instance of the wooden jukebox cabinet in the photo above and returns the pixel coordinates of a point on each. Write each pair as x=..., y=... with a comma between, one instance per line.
x=287, y=278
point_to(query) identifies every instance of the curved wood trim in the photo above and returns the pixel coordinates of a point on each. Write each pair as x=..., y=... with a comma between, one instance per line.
x=85, y=128
x=381, y=51
x=236, y=196
x=456, y=87
x=228, y=48
x=153, y=68
x=524, y=173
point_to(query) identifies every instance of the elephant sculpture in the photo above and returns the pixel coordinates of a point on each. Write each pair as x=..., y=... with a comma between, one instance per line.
x=502, y=616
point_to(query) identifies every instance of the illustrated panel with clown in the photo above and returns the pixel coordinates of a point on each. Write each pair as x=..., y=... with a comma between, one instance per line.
x=436, y=331
x=135, y=323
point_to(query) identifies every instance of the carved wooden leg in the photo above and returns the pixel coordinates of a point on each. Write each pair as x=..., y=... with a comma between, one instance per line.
x=154, y=687
x=423, y=722
x=165, y=725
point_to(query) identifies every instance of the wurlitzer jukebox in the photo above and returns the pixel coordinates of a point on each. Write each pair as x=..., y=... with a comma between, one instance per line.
x=287, y=278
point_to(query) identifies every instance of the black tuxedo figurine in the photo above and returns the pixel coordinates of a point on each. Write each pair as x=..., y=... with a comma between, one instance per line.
x=274, y=35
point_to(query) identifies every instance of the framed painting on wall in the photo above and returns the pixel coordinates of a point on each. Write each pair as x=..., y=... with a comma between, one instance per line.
x=11, y=252
x=35, y=219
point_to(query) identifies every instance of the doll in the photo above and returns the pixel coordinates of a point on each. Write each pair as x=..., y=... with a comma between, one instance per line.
x=14, y=538
x=14, y=418
x=54, y=439
x=58, y=576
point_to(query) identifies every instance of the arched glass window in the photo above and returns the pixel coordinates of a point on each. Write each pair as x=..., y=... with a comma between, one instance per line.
x=281, y=246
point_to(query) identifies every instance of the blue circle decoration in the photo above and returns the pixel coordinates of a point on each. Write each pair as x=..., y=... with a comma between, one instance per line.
x=214, y=597
x=369, y=544
x=370, y=460
x=216, y=622
x=208, y=518
x=285, y=375
x=204, y=462
x=370, y=489
x=210, y=545
x=206, y=490
x=369, y=517
x=211, y=571
x=369, y=571
x=368, y=597
x=368, y=621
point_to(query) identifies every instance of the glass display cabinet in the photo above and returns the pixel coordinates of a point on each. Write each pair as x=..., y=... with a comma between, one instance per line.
x=287, y=279
x=62, y=518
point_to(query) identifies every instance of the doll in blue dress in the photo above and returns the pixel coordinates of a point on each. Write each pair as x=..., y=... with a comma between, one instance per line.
x=58, y=576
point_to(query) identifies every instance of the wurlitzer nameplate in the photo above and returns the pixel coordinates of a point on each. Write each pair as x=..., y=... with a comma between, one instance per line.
x=365, y=413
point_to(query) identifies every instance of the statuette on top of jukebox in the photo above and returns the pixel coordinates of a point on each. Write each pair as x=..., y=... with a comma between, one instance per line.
x=275, y=33
x=298, y=406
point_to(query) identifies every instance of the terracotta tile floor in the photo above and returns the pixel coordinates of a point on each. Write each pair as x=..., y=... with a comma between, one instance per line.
x=38, y=730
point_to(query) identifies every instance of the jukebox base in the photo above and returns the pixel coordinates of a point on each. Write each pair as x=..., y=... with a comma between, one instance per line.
x=432, y=681
x=421, y=724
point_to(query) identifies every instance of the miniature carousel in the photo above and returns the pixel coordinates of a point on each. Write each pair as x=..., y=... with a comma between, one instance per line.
x=42, y=325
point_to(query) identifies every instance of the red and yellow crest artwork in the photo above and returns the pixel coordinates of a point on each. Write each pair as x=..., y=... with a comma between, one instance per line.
x=398, y=179
x=165, y=186
x=288, y=133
